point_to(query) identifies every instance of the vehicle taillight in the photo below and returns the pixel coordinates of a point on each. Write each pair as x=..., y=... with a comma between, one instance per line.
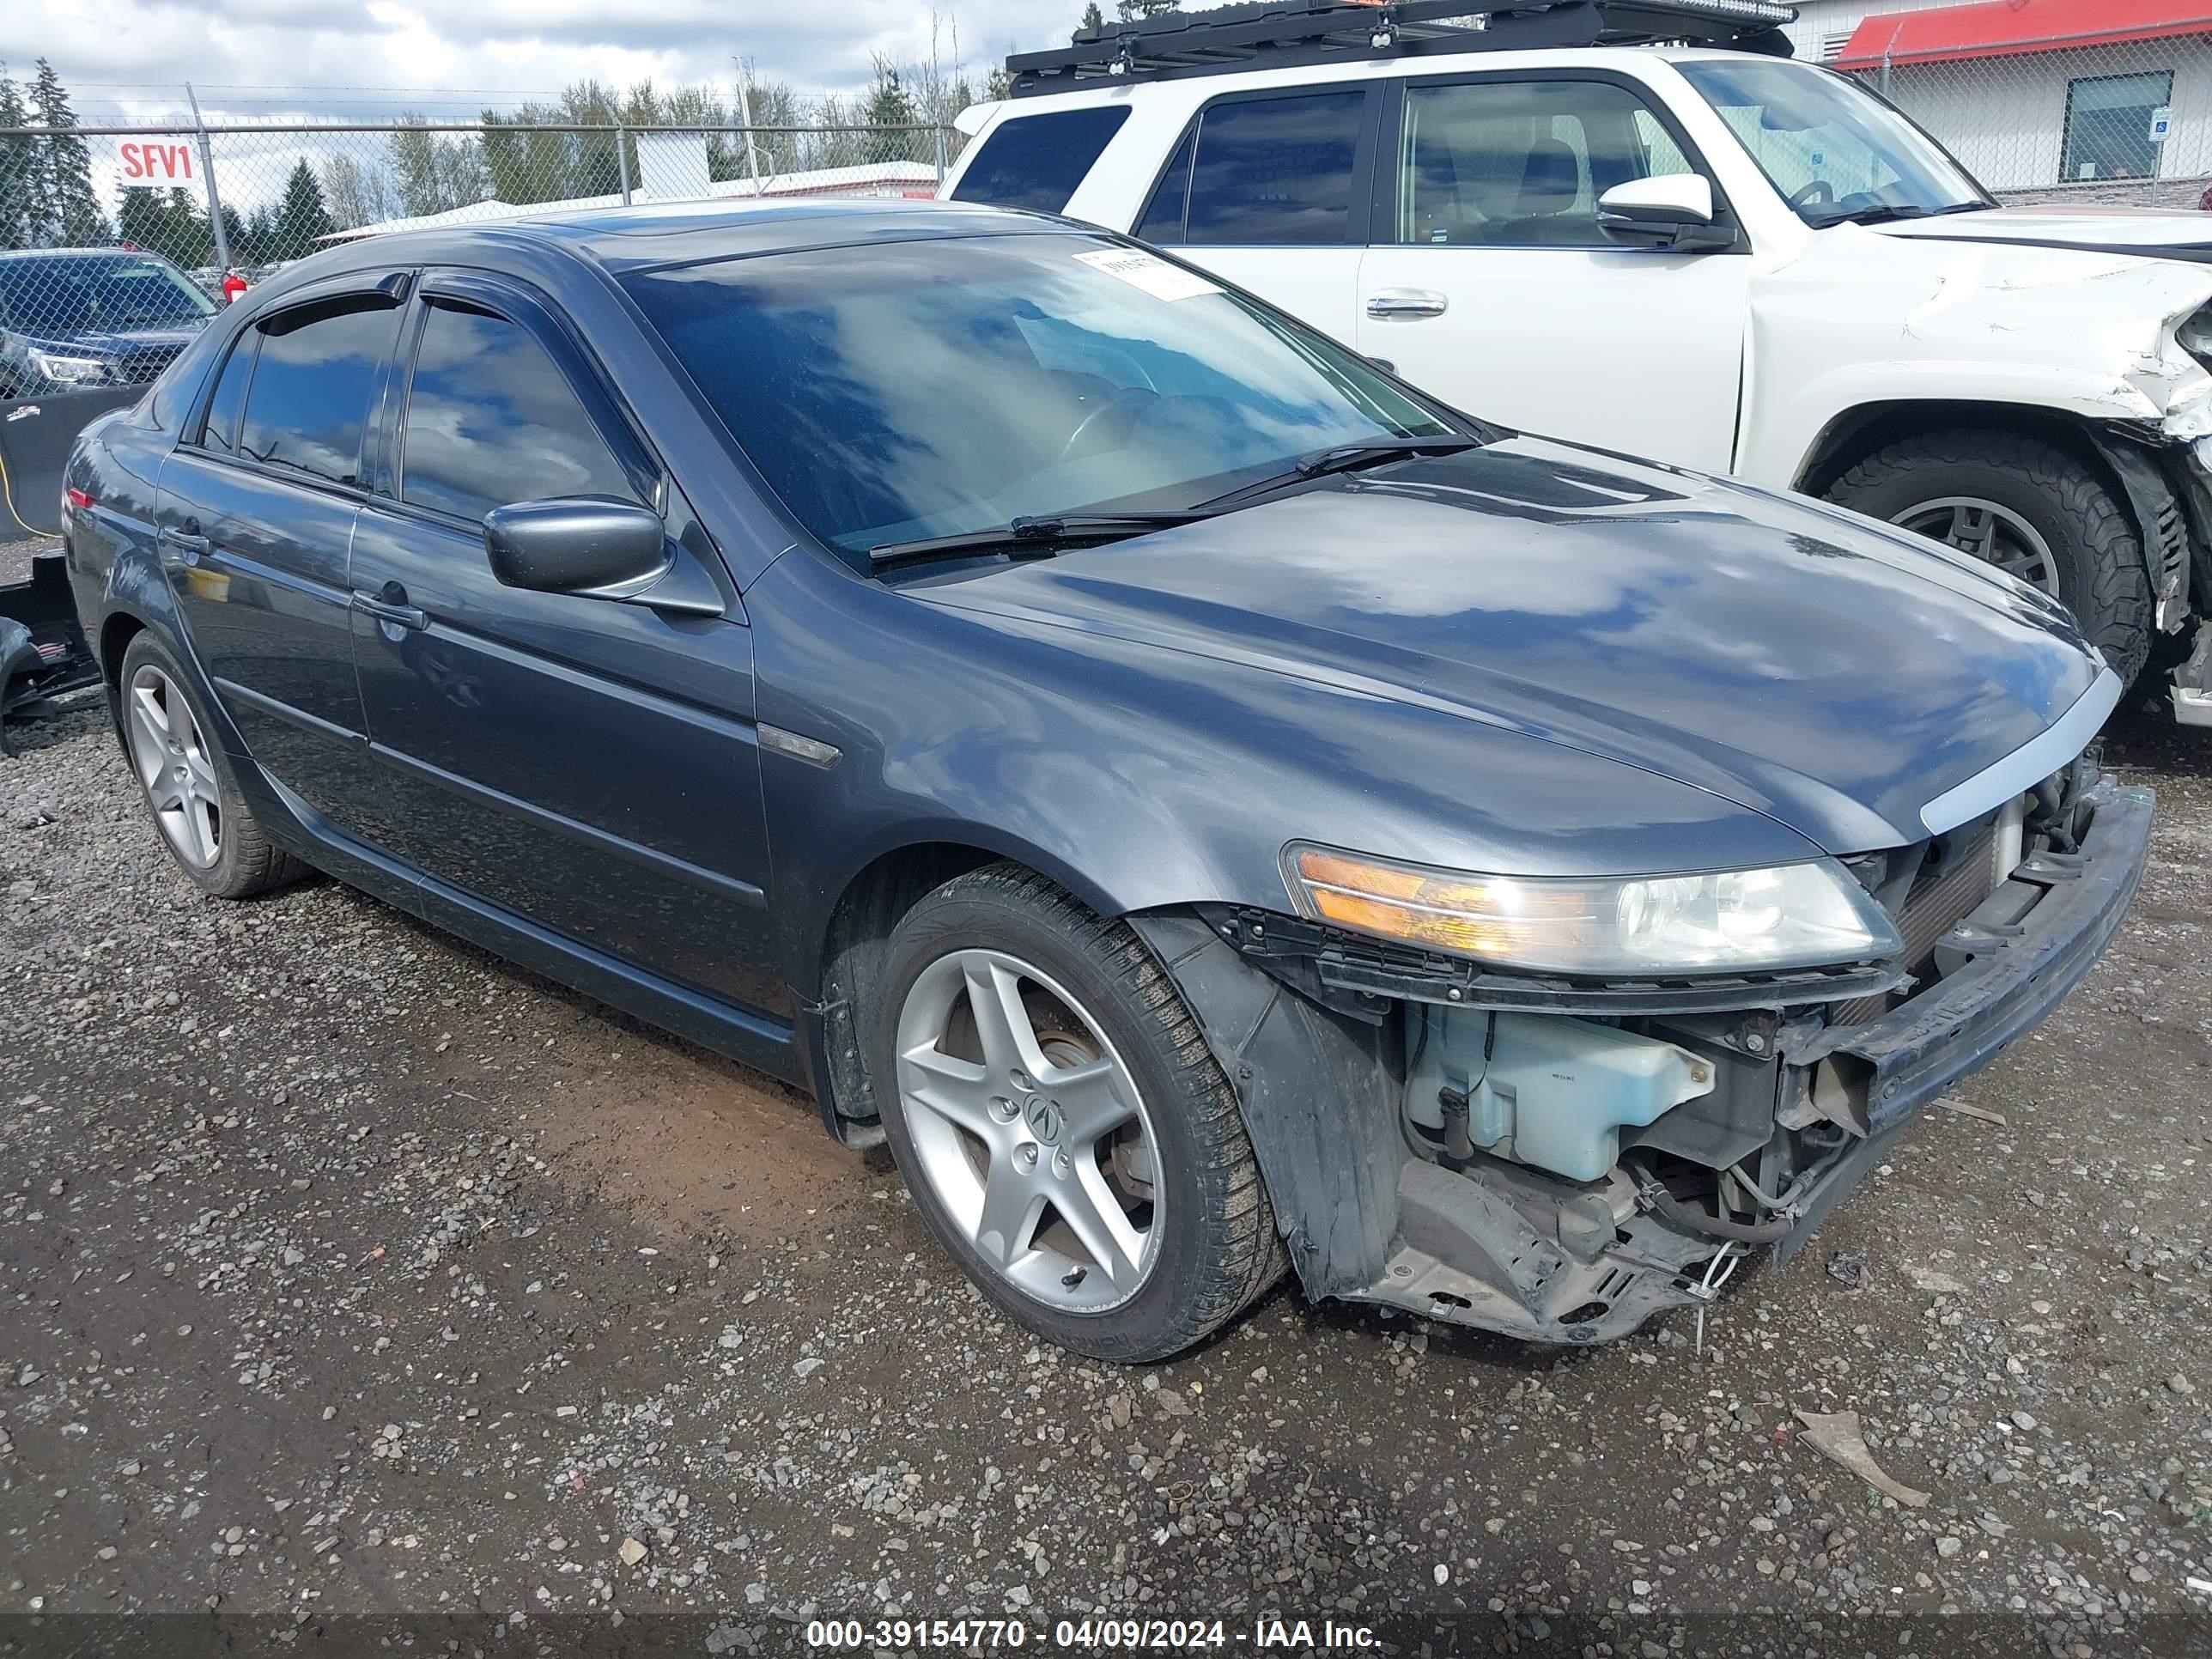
x=74, y=497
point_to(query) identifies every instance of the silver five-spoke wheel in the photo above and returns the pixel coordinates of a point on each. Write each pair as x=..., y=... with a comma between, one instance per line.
x=173, y=763
x=1993, y=533
x=1029, y=1130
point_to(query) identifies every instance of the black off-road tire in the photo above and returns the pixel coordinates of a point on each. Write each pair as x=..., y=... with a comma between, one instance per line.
x=248, y=862
x=2096, y=549
x=1219, y=1251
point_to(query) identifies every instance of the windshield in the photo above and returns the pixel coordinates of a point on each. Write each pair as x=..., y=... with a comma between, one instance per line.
x=931, y=388
x=1833, y=149
x=98, y=294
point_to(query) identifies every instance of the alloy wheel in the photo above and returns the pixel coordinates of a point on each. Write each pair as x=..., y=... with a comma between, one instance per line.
x=173, y=765
x=1029, y=1131
x=1993, y=534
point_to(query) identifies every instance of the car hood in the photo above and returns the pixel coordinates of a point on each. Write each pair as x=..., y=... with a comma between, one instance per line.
x=116, y=342
x=1795, y=659
x=2150, y=231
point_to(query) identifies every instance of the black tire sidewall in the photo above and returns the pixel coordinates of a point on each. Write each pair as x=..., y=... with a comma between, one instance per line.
x=224, y=877
x=1156, y=1321
x=1908, y=477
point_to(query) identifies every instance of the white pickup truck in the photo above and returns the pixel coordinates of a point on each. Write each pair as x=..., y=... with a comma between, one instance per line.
x=1636, y=224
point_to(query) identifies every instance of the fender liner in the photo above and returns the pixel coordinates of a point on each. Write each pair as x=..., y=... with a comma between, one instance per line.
x=1319, y=1091
x=2163, y=519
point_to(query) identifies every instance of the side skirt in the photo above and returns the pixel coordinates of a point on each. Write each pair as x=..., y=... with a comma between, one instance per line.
x=747, y=1035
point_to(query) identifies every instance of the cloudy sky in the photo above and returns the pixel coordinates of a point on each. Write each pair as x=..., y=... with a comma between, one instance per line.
x=124, y=59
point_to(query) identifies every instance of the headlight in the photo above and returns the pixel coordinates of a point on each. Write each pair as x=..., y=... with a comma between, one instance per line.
x=1792, y=915
x=69, y=371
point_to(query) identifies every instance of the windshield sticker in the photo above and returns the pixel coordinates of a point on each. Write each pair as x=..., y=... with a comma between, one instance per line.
x=1156, y=276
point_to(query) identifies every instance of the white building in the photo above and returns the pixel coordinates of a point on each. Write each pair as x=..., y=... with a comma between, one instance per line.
x=871, y=179
x=2043, y=100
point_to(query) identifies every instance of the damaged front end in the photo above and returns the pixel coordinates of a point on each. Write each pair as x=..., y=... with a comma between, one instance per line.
x=1560, y=1158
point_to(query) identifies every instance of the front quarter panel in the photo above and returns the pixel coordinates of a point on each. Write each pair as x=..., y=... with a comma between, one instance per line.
x=1860, y=319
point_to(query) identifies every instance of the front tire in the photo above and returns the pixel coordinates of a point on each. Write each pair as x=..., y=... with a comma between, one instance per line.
x=1065, y=1133
x=2028, y=508
x=187, y=782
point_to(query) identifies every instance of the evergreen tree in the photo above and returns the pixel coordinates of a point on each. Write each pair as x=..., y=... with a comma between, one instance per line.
x=1092, y=20
x=264, y=235
x=69, y=209
x=301, y=218
x=168, y=222
x=1134, y=11
x=890, y=105
x=17, y=159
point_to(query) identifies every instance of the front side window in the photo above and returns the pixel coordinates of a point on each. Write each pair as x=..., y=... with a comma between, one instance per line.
x=307, y=406
x=72, y=294
x=491, y=420
x=1036, y=161
x=1521, y=164
x=937, y=387
x=2108, y=125
x=1262, y=173
x=1832, y=148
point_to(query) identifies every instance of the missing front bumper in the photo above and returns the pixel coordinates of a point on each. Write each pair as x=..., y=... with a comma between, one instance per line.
x=1502, y=1247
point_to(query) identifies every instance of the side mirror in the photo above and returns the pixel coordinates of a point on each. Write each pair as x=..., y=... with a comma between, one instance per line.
x=587, y=544
x=1672, y=212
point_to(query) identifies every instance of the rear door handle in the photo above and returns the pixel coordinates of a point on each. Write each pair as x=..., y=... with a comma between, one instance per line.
x=390, y=607
x=189, y=542
x=1401, y=302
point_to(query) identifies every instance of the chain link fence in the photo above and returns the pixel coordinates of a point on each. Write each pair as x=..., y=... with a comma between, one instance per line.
x=2121, y=122
x=225, y=207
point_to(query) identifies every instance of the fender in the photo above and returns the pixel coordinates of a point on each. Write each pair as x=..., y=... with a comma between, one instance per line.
x=1861, y=317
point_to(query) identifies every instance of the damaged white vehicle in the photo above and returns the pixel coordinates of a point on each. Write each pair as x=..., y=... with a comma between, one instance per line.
x=1698, y=251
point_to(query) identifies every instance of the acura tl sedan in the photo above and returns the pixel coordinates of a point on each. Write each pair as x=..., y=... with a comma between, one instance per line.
x=1206, y=804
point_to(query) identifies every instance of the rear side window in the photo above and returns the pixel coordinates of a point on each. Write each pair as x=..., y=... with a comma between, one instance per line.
x=307, y=403
x=1162, y=219
x=1268, y=173
x=221, y=432
x=491, y=420
x=1036, y=161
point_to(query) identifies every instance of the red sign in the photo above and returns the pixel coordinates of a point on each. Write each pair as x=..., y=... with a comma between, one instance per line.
x=156, y=163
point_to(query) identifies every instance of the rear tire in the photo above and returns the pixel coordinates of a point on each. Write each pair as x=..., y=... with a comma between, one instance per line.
x=2026, y=506
x=1193, y=1243
x=187, y=782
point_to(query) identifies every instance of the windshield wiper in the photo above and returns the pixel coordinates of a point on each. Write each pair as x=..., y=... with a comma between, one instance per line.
x=1032, y=537
x=1889, y=213
x=1340, y=458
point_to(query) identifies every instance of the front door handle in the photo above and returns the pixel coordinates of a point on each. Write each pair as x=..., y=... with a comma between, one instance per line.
x=1401, y=302
x=390, y=607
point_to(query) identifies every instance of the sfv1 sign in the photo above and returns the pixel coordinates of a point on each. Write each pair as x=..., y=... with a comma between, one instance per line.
x=149, y=162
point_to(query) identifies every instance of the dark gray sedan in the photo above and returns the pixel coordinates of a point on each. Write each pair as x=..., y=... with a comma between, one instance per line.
x=1204, y=804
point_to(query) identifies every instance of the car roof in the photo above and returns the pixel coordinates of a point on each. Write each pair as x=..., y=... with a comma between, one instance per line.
x=621, y=239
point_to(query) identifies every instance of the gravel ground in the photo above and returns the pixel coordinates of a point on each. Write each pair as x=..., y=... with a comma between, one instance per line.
x=355, y=1286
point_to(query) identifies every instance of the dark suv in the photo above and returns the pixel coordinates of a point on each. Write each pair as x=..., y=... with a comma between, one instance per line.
x=75, y=319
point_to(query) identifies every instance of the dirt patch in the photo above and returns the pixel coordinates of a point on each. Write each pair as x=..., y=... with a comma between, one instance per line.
x=689, y=1142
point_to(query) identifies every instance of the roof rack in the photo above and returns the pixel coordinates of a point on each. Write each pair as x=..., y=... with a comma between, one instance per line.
x=1283, y=34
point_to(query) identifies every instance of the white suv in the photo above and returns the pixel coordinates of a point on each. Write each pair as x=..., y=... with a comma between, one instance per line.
x=1699, y=253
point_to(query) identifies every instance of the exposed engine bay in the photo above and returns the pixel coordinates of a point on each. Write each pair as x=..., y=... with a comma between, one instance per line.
x=1566, y=1160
